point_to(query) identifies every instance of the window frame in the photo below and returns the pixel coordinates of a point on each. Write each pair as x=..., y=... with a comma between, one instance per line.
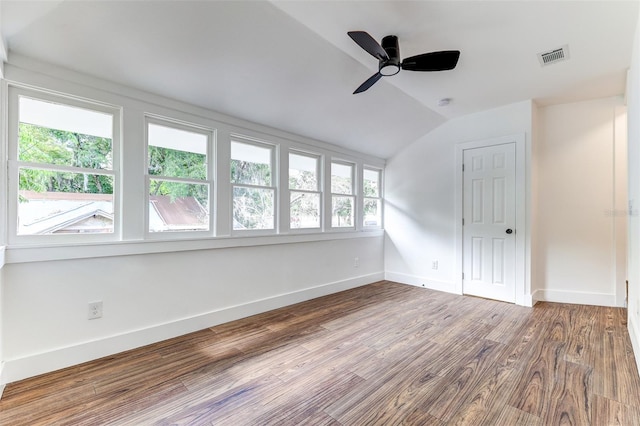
x=128, y=110
x=379, y=198
x=274, y=152
x=209, y=181
x=319, y=189
x=15, y=93
x=354, y=196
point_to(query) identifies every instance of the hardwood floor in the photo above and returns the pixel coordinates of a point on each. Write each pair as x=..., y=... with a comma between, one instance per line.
x=380, y=354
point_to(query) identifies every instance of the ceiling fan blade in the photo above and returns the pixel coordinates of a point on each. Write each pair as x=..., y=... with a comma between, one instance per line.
x=370, y=82
x=369, y=44
x=434, y=61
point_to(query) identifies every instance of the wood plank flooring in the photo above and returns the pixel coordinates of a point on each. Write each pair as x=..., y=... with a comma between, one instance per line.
x=385, y=353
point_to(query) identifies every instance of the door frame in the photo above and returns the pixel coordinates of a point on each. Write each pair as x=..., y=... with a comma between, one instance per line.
x=523, y=199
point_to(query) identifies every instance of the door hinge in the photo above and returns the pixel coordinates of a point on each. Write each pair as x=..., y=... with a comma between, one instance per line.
x=462, y=221
x=463, y=167
x=463, y=275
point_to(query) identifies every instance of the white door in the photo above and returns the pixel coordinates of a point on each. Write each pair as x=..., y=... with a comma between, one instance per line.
x=489, y=213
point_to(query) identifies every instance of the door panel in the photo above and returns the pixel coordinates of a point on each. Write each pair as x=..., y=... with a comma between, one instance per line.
x=478, y=201
x=476, y=258
x=488, y=212
x=499, y=205
x=498, y=260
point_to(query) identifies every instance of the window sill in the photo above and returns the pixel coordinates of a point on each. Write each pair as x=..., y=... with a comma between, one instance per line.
x=43, y=253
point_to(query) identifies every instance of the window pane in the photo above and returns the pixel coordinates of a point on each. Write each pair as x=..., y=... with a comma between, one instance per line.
x=66, y=118
x=341, y=178
x=303, y=172
x=59, y=134
x=371, y=183
x=177, y=153
x=250, y=164
x=177, y=206
x=305, y=210
x=253, y=208
x=342, y=212
x=49, y=146
x=64, y=203
x=372, y=212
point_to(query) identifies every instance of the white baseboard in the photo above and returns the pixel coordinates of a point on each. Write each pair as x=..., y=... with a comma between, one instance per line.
x=529, y=300
x=575, y=297
x=2, y=386
x=418, y=281
x=446, y=286
x=634, y=334
x=32, y=365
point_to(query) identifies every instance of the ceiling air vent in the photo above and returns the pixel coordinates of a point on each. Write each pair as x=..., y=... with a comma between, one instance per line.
x=553, y=56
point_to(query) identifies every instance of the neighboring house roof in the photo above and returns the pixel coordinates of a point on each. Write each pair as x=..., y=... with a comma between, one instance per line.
x=95, y=222
x=184, y=213
x=56, y=212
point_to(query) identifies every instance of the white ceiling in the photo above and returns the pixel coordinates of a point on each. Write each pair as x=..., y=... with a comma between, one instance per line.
x=291, y=65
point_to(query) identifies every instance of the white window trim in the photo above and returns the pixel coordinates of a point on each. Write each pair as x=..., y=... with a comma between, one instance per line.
x=353, y=195
x=16, y=91
x=275, y=170
x=49, y=252
x=4, y=119
x=379, y=197
x=319, y=191
x=130, y=160
x=211, y=163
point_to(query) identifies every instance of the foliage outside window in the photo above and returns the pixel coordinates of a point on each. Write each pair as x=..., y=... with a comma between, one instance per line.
x=66, y=182
x=342, y=195
x=372, y=200
x=63, y=162
x=304, y=184
x=177, y=178
x=253, y=192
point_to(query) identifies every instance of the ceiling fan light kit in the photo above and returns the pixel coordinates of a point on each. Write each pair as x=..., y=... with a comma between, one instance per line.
x=388, y=55
x=390, y=66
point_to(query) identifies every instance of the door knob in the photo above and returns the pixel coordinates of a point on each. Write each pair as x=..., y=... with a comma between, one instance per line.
x=509, y=231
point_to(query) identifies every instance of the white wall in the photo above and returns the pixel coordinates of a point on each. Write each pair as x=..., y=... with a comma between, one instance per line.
x=154, y=290
x=576, y=191
x=633, y=252
x=152, y=297
x=420, y=191
x=3, y=57
x=2, y=381
x=581, y=203
x=533, y=177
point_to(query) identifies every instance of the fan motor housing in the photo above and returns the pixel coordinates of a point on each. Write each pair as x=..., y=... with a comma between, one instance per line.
x=390, y=66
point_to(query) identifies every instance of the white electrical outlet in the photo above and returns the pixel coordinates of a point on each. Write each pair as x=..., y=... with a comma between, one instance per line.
x=95, y=310
x=434, y=264
x=356, y=262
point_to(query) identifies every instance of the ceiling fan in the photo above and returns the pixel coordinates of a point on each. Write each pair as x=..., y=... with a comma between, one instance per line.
x=388, y=55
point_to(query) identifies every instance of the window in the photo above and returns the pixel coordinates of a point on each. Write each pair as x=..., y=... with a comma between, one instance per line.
x=67, y=170
x=253, y=191
x=304, y=190
x=372, y=200
x=342, y=195
x=62, y=166
x=178, y=187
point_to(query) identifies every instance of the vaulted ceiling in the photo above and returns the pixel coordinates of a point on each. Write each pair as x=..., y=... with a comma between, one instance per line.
x=291, y=65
